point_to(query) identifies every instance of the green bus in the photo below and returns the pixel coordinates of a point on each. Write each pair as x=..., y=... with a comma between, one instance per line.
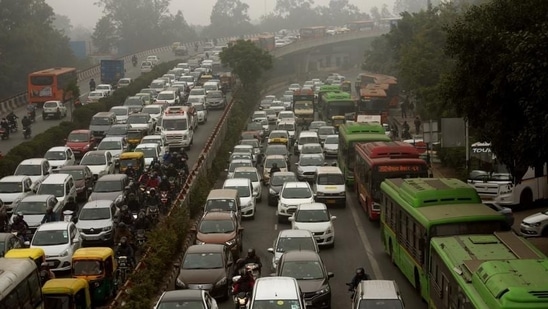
x=414, y=210
x=350, y=134
x=338, y=107
x=324, y=89
x=497, y=271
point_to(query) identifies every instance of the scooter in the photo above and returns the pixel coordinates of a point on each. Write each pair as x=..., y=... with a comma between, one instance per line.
x=153, y=212
x=241, y=300
x=4, y=134
x=140, y=238
x=26, y=132
x=164, y=200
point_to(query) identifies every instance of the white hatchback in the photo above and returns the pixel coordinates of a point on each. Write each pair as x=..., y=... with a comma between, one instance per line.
x=59, y=156
x=292, y=195
x=253, y=175
x=59, y=240
x=316, y=218
x=100, y=162
x=246, y=194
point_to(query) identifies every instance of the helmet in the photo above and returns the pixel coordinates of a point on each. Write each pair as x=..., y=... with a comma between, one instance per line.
x=131, y=195
x=360, y=271
x=164, y=177
x=122, y=225
x=130, y=165
x=152, y=190
x=20, y=215
x=251, y=252
x=123, y=241
x=124, y=208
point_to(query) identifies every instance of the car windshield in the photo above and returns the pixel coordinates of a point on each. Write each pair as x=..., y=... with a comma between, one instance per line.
x=278, y=180
x=86, y=268
x=316, y=215
x=330, y=179
x=166, y=96
x=151, y=110
x=103, y=87
x=147, y=151
x=93, y=159
x=380, y=303
x=203, y=261
x=332, y=140
x=279, y=162
x=234, y=165
x=159, y=85
x=215, y=95
x=216, y=226
x=326, y=131
x=305, y=160
x=295, y=243
x=296, y=193
x=254, y=126
x=136, y=101
x=32, y=208
x=108, y=186
x=95, y=95
x=249, y=175
x=198, y=92
x=55, y=155
x=110, y=145
x=253, y=143
x=317, y=125
x=220, y=204
x=77, y=174
x=174, y=124
x=50, y=188
x=278, y=135
x=120, y=111
x=78, y=137
x=29, y=170
x=181, y=304
x=237, y=156
x=100, y=121
x=50, y=238
x=243, y=191
x=302, y=270
x=117, y=130
x=94, y=213
x=199, y=107
x=312, y=149
x=284, y=115
x=286, y=126
x=308, y=140
x=138, y=119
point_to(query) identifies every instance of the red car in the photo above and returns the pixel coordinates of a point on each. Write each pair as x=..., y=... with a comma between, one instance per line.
x=80, y=142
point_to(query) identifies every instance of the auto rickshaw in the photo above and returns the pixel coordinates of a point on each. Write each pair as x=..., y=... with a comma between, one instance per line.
x=135, y=158
x=70, y=293
x=134, y=137
x=97, y=266
x=279, y=141
x=36, y=254
x=337, y=121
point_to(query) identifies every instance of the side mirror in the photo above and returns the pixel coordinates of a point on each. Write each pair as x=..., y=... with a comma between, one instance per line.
x=26, y=243
x=271, y=250
x=330, y=275
x=333, y=217
x=90, y=189
x=240, y=229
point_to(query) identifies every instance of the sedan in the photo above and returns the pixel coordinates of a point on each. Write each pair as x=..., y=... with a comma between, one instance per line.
x=535, y=225
x=59, y=157
x=152, y=151
x=219, y=227
x=116, y=145
x=141, y=121
x=253, y=175
x=316, y=218
x=111, y=187
x=99, y=162
x=275, y=185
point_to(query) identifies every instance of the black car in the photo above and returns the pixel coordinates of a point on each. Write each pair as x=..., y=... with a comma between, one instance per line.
x=308, y=268
x=276, y=184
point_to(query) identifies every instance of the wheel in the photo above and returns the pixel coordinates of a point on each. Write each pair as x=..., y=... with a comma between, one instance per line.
x=44, y=116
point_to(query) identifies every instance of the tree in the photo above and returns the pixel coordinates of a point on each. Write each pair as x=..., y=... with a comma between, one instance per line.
x=62, y=24
x=104, y=35
x=499, y=82
x=247, y=61
x=28, y=42
x=229, y=17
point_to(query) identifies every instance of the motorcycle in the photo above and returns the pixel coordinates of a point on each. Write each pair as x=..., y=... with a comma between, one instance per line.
x=173, y=182
x=164, y=200
x=140, y=238
x=25, y=237
x=153, y=212
x=13, y=126
x=4, y=134
x=123, y=268
x=26, y=132
x=241, y=300
x=32, y=115
x=134, y=62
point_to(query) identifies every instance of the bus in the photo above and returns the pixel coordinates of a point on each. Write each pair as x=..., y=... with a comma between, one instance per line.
x=312, y=32
x=494, y=182
x=337, y=108
x=377, y=161
x=496, y=271
x=19, y=284
x=415, y=210
x=349, y=135
x=48, y=85
x=373, y=101
x=385, y=82
x=362, y=25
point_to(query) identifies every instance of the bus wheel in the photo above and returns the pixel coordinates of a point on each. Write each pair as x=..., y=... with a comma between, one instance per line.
x=417, y=281
x=391, y=251
x=526, y=198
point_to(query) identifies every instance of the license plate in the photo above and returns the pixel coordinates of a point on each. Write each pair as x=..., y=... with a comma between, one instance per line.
x=308, y=303
x=331, y=201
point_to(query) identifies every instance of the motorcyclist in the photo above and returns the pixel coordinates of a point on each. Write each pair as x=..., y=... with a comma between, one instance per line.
x=155, y=165
x=132, y=203
x=171, y=171
x=130, y=172
x=125, y=249
x=245, y=283
x=45, y=273
x=184, y=154
x=92, y=85
x=6, y=126
x=274, y=169
x=11, y=117
x=143, y=180
x=134, y=60
x=251, y=257
x=184, y=166
x=19, y=225
x=122, y=230
x=50, y=216
x=31, y=110
x=26, y=122
x=358, y=277
x=152, y=199
x=168, y=156
x=164, y=184
x=142, y=222
x=154, y=181
x=125, y=215
x=71, y=205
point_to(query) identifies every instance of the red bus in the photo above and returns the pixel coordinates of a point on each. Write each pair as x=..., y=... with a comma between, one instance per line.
x=377, y=161
x=48, y=85
x=312, y=32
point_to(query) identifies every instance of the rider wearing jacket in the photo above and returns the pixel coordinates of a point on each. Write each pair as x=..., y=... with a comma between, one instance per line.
x=126, y=216
x=358, y=277
x=251, y=257
x=20, y=226
x=92, y=85
x=26, y=122
x=154, y=181
x=125, y=249
x=274, y=169
x=164, y=184
x=245, y=283
x=50, y=216
x=132, y=203
x=142, y=222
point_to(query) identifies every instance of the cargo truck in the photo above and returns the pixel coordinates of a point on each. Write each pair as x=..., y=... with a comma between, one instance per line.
x=112, y=71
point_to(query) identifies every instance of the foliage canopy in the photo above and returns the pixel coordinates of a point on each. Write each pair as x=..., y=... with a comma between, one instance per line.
x=247, y=60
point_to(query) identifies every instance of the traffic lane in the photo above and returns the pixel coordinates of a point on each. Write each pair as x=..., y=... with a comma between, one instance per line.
x=41, y=125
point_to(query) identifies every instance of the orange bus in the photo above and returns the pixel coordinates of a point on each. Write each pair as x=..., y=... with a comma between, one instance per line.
x=377, y=161
x=362, y=25
x=374, y=101
x=48, y=85
x=312, y=32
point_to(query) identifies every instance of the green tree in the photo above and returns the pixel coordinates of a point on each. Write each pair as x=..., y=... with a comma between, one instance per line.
x=229, y=17
x=247, y=61
x=104, y=35
x=28, y=42
x=499, y=82
x=62, y=24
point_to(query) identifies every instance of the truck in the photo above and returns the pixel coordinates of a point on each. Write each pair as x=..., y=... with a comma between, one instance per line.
x=112, y=71
x=303, y=106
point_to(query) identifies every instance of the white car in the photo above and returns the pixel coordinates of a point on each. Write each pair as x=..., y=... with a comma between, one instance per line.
x=54, y=109
x=13, y=189
x=100, y=162
x=60, y=156
x=253, y=175
x=246, y=194
x=312, y=148
x=151, y=151
x=307, y=165
x=96, y=221
x=105, y=88
x=146, y=66
x=294, y=87
x=33, y=207
x=331, y=146
x=95, y=96
x=159, y=85
x=201, y=111
x=59, y=240
x=116, y=145
x=154, y=110
x=237, y=163
x=292, y=195
x=36, y=168
x=289, y=240
x=197, y=92
x=153, y=59
x=259, y=115
x=316, y=218
x=124, y=82
x=142, y=121
x=286, y=116
x=535, y=225
x=167, y=96
x=159, y=139
x=121, y=112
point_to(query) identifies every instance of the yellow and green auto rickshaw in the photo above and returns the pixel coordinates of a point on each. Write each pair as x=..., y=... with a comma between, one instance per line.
x=336, y=121
x=135, y=158
x=36, y=254
x=97, y=266
x=134, y=137
x=70, y=293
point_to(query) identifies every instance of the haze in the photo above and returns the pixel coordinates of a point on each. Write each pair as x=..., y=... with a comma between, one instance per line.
x=85, y=13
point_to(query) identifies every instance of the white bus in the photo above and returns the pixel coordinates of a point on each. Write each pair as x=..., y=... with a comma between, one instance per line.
x=19, y=284
x=494, y=182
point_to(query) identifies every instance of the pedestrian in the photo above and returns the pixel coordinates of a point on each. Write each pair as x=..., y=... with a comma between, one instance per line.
x=411, y=108
x=404, y=106
x=417, y=125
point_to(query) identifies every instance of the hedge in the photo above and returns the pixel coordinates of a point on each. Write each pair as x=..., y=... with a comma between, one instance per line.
x=55, y=136
x=168, y=237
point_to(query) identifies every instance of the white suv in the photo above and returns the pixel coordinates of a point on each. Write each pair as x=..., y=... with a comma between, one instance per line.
x=59, y=240
x=292, y=195
x=316, y=218
x=54, y=109
x=96, y=222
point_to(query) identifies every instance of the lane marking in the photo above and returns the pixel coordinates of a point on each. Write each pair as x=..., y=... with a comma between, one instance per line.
x=367, y=245
x=275, y=227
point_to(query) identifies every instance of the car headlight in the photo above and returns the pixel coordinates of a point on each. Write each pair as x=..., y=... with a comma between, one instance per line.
x=342, y=193
x=537, y=224
x=323, y=290
x=320, y=193
x=87, y=146
x=199, y=242
x=300, y=171
x=117, y=156
x=181, y=283
x=329, y=231
x=230, y=242
x=282, y=205
x=271, y=191
x=107, y=228
x=250, y=204
x=221, y=282
x=65, y=253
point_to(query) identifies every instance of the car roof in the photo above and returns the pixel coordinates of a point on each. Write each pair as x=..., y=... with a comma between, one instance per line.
x=301, y=255
x=218, y=216
x=206, y=248
x=120, y=107
x=53, y=226
x=110, y=177
x=58, y=148
x=328, y=170
x=310, y=155
x=56, y=178
x=147, y=145
x=312, y=206
x=282, y=288
x=296, y=184
x=113, y=138
x=245, y=169
x=312, y=145
x=72, y=167
x=96, y=152
x=241, y=161
x=37, y=198
x=179, y=295
x=282, y=174
x=308, y=133
x=295, y=233
x=236, y=182
x=33, y=161
x=14, y=178
x=272, y=157
x=98, y=204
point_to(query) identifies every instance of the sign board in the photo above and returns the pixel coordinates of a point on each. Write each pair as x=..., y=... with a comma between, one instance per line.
x=454, y=132
x=369, y=118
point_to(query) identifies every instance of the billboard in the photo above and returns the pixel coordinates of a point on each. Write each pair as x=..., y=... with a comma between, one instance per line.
x=79, y=49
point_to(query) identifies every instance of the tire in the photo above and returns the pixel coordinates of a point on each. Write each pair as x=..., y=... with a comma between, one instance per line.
x=44, y=116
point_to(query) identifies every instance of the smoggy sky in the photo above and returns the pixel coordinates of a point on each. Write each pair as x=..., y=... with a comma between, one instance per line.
x=85, y=13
